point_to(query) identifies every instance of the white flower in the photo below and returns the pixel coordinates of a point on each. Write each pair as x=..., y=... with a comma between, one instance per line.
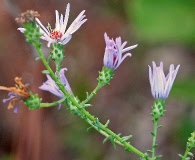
x=60, y=34
x=160, y=84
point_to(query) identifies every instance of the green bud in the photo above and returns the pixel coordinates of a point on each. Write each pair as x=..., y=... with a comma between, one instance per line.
x=105, y=76
x=33, y=102
x=158, y=109
x=32, y=32
x=191, y=140
x=57, y=54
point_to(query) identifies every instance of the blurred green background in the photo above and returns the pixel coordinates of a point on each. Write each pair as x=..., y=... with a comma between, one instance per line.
x=164, y=31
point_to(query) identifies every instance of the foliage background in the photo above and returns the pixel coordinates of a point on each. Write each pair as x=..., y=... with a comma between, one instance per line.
x=164, y=30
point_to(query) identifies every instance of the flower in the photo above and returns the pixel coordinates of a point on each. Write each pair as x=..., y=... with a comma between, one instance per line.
x=161, y=85
x=113, y=52
x=52, y=87
x=60, y=34
x=17, y=93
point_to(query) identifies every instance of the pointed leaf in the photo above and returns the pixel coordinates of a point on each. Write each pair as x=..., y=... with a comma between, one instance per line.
x=106, y=139
x=107, y=123
x=153, y=134
x=125, y=138
x=180, y=155
x=38, y=58
x=89, y=128
x=45, y=72
x=159, y=127
x=190, y=154
x=113, y=142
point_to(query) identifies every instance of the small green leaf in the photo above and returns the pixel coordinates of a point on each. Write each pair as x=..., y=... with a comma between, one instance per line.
x=150, y=151
x=113, y=142
x=180, y=156
x=38, y=58
x=159, y=127
x=45, y=72
x=153, y=134
x=89, y=128
x=106, y=139
x=87, y=105
x=125, y=138
x=190, y=154
x=157, y=157
x=107, y=123
x=97, y=123
x=127, y=149
x=155, y=146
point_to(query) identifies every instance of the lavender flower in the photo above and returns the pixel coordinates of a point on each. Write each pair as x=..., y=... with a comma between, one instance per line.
x=161, y=85
x=60, y=34
x=51, y=86
x=113, y=52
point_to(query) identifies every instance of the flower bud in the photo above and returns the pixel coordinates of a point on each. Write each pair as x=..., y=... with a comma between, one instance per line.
x=191, y=140
x=57, y=54
x=105, y=76
x=32, y=32
x=33, y=102
x=158, y=109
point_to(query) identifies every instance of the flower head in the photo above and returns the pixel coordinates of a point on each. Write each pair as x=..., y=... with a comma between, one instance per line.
x=28, y=16
x=114, y=50
x=52, y=87
x=17, y=93
x=161, y=84
x=59, y=34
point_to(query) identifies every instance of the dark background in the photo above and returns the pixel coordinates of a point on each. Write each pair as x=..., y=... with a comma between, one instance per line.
x=164, y=31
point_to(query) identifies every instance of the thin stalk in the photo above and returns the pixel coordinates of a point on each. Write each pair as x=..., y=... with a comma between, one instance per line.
x=43, y=105
x=186, y=153
x=154, y=144
x=92, y=94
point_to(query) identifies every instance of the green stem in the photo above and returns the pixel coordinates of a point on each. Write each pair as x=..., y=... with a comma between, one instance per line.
x=92, y=94
x=186, y=153
x=90, y=119
x=43, y=105
x=154, y=144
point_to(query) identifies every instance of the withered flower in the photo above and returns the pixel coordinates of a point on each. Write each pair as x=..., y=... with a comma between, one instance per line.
x=27, y=17
x=18, y=93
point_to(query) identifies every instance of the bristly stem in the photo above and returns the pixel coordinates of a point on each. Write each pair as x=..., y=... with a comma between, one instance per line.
x=90, y=119
x=158, y=110
x=186, y=153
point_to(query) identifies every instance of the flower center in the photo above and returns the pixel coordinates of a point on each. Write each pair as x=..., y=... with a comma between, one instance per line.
x=55, y=35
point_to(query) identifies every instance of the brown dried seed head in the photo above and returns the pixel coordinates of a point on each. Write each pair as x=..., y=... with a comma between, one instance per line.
x=20, y=89
x=28, y=16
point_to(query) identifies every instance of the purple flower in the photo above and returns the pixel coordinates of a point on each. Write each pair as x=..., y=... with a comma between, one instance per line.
x=60, y=34
x=51, y=86
x=114, y=50
x=12, y=98
x=161, y=85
